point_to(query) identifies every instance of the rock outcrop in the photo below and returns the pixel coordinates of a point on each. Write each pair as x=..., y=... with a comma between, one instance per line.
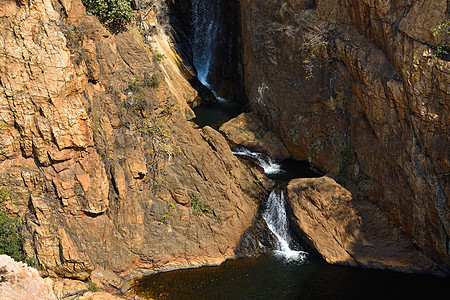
x=349, y=232
x=247, y=130
x=20, y=282
x=354, y=87
x=98, y=153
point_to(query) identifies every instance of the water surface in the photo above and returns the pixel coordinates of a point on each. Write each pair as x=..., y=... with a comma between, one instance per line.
x=268, y=277
x=215, y=114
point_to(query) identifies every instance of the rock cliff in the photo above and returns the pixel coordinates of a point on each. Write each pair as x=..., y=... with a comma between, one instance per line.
x=98, y=154
x=354, y=87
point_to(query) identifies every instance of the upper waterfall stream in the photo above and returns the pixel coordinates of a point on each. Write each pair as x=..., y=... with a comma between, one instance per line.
x=211, y=57
x=205, y=35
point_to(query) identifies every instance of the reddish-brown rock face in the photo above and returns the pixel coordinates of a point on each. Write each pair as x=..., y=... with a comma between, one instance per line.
x=100, y=159
x=353, y=87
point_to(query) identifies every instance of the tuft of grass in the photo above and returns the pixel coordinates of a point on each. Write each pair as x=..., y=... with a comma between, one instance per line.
x=442, y=34
x=92, y=287
x=159, y=56
x=200, y=207
x=170, y=208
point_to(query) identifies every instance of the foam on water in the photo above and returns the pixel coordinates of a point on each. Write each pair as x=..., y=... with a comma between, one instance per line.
x=276, y=219
x=270, y=167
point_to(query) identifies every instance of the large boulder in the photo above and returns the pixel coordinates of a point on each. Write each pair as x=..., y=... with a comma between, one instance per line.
x=248, y=130
x=350, y=232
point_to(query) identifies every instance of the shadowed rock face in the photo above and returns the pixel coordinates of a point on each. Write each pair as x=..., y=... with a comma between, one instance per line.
x=348, y=232
x=103, y=166
x=353, y=87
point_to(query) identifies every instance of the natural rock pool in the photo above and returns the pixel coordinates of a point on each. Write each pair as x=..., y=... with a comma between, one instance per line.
x=278, y=274
x=270, y=277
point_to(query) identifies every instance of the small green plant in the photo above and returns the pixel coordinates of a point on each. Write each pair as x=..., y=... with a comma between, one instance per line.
x=151, y=81
x=200, y=207
x=160, y=56
x=442, y=34
x=4, y=195
x=442, y=29
x=11, y=239
x=170, y=208
x=441, y=50
x=347, y=99
x=346, y=154
x=92, y=287
x=114, y=14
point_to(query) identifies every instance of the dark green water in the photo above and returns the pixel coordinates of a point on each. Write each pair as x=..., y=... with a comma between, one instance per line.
x=295, y=169
x=215, y=114
x=267, y=277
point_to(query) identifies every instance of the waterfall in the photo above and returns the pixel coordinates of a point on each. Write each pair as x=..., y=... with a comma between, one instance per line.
x=270, y=167
x=206, y=31
x=276, y=219
x=275, y=211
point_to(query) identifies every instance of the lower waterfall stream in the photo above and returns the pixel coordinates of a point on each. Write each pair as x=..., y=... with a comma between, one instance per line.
x=277, y=222
x=284, y=272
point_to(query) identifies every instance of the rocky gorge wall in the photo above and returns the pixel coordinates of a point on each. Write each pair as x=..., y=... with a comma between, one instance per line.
x=353, y=87
x=97, y=151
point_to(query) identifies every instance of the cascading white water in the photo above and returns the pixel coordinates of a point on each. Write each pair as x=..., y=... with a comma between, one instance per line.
x=275, y=210
x=276, y=219
x=205, y=37
x=270, y=167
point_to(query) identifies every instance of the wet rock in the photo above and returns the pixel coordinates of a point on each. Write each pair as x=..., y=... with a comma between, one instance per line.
x=99, y=296
x=107, y=280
